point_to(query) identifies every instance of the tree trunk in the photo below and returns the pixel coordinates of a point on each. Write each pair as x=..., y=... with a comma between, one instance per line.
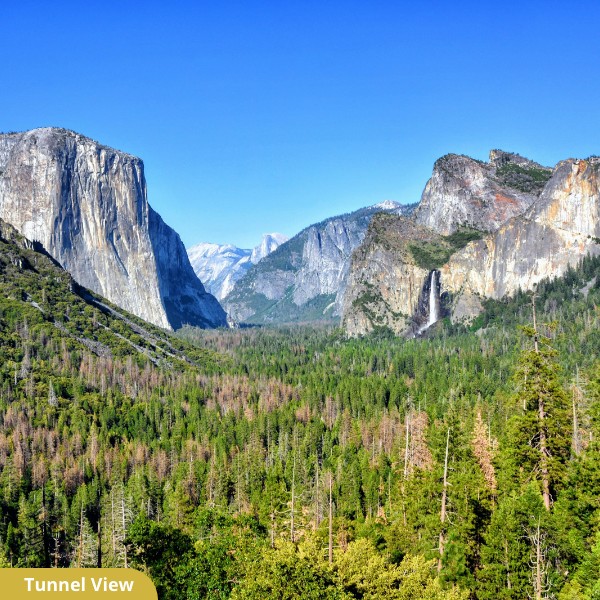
x=317, y=507
x=576, y=441
x=99, y=543
x=538, y=566
x=406, y=447
x=124, y=528
x=80, y=548
x=544, y=454
x=542, y=426
x=292, y=533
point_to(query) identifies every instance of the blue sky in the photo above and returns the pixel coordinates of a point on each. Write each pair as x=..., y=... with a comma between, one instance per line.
x=268, y=116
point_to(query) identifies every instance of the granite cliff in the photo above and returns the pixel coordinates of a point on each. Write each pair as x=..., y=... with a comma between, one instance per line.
x=485, y=229
x=87, y=205
x=385, y=282
x=464, y=192
x=561, y=227
x=305, y=278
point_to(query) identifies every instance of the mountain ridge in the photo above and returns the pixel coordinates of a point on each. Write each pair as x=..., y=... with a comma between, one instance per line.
x=35, y=286
x=304, y=278
x=508, y=251
x=219, y=266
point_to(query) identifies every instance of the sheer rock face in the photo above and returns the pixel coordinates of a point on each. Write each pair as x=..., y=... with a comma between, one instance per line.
x=559, y=229
x=314, y=263
x=305, y=278
x=561, y=226
x=464, y=192
x=86, y=204
x=384, y=283
x=326, y=258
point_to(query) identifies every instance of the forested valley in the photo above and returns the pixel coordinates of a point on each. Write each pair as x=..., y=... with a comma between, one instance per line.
x=298, y=463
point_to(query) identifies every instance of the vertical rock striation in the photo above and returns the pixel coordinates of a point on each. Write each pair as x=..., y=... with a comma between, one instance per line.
x=385, y=284
x=559, y=229
x=87, y=205
x=305, y=278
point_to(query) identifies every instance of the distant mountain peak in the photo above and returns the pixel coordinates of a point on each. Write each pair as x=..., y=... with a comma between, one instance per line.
x=268, y=243
x=305, y=278
x=387, y=205
x=219, y=266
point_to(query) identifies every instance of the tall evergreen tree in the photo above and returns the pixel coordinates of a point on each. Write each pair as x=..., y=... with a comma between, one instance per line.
x=539, y=439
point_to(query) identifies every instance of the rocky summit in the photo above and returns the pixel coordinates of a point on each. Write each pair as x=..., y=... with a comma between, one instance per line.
x=464, y=192
x=481, y=230
x=87, y=205
x=561, y=227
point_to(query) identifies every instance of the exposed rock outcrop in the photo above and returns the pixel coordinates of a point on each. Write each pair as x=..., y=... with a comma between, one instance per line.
x=560, y=225
x=306, y=277
x=464, y=192
x=385, y=283
x=87, y=205
x=559, y=229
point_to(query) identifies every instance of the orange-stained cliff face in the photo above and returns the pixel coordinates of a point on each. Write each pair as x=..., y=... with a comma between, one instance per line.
x=464, y=192
x=560, y=225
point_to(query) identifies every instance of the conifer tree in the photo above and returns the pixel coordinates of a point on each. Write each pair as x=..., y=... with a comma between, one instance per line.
x=540, y=441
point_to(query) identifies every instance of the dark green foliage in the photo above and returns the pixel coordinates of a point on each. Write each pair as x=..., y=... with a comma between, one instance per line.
x=525, y=179
x=160, y=550
x=181, y=455
x=462, y=236
x=539, y=443
x=434, y=254
x=508, y=553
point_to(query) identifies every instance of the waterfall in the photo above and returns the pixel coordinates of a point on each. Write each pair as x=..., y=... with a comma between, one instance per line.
x=433, y=304
x=433, y=308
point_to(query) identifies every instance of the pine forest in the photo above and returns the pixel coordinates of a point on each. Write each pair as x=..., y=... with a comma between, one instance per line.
x=295, y=462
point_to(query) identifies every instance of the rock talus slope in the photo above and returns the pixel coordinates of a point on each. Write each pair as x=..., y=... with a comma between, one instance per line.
x=87, y=205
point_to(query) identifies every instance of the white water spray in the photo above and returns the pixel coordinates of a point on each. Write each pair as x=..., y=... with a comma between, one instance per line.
x=433, y=305
x=433, y=308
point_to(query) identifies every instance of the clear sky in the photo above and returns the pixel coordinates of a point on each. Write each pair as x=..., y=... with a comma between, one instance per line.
x=262, y=116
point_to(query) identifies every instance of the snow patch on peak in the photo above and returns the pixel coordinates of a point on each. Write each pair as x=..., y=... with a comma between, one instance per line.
x=387, y=205
x=219, y=266
x=209, y=250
